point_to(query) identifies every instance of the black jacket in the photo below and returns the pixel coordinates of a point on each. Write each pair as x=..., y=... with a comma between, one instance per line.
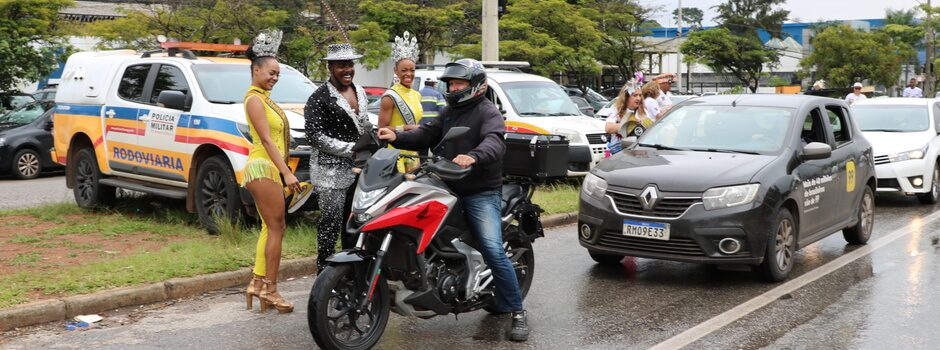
x=332, y=128
x=484, y=143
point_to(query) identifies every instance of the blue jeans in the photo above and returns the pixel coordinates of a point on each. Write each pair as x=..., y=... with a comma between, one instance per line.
x=483, y=216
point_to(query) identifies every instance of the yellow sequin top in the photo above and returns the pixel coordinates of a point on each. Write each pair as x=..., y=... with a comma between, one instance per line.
x=413, y=99
x=259, y=163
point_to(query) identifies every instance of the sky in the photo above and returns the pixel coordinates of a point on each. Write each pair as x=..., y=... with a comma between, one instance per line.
x=803, y=10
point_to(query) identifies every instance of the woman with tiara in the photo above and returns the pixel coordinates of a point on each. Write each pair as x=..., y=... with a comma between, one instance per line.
x=401, y=104
x=266, y=173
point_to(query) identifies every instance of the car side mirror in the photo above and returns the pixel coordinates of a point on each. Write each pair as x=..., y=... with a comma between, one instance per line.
x=48, y=125
x=816, y=150
x=628, y=142
x=172, y=99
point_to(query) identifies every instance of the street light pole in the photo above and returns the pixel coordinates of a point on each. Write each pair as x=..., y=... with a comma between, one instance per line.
x=678, y=51
x=490, y=30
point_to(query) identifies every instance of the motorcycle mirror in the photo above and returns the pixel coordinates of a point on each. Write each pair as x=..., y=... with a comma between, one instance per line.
x=454, y=133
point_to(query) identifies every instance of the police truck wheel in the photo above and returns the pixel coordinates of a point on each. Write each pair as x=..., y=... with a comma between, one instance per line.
x=861, y=232
x=217, y=195
x=26, y=164
x=89, y=192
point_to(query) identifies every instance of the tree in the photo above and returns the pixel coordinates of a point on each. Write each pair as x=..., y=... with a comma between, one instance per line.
x=735, y=47
x=843, y=54
x=433, y=26
x=29, y=40
x=619, y=23
x=691, y=16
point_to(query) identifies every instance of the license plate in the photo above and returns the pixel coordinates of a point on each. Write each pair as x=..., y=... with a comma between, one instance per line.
x=292, y=163
x=650, y=230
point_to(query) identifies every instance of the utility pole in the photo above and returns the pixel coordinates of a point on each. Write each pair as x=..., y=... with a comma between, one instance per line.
x=928, y=66
x=490, y=30
x=678, y=51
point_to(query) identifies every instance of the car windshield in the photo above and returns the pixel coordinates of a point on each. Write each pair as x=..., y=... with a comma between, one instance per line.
x=10, y=102
x=539, y=99
x=721, y=128
x=227, y=83
x=24, y=115
x=891, y=118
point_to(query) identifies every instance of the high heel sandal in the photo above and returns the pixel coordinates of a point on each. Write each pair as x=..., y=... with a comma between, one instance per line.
x=273, y=298
x=253, y=290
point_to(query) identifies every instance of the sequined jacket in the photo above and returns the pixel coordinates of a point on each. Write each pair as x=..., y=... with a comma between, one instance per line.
x=332, y=128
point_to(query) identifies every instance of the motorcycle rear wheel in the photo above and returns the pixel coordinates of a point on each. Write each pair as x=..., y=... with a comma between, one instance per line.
x=331, y=314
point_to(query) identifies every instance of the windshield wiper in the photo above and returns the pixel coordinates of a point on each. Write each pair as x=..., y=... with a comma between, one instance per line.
x=885, y=130
x=661, y=147
x=222, y=102
x=537, y=114
x=560, y=114
x=719, y=150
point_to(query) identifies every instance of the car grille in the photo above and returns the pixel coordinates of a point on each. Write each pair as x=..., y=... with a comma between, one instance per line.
x=889, y=183
x=675, y=245
x=665, y=208
x=596, y=139
x=882, y=160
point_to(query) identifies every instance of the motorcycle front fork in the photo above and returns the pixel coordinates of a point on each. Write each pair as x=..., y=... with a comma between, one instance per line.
x=376, y=268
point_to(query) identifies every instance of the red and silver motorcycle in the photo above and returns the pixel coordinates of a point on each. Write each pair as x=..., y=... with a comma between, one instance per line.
x=415, y=253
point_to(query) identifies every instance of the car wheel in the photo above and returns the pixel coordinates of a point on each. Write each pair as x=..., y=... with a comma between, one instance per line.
x=861, y=232
x=89, y=192
x=779, y=255
x=606, y=259
x=26, y=164
x=216, y=194
x=934, y=195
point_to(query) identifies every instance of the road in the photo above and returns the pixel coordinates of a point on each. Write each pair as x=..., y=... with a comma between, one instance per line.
x=883, y=296
x=48, y=188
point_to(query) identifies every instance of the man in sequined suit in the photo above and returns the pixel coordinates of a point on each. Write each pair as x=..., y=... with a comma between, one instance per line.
x=335, y=116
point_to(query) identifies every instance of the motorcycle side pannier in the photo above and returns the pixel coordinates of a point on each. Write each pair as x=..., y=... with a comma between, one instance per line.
x=535, y=156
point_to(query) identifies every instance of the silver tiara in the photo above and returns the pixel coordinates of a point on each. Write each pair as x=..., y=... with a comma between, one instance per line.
x=267, y=43
x=406, y=46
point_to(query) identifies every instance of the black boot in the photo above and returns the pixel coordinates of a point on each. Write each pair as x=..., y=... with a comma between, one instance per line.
x=519, y=331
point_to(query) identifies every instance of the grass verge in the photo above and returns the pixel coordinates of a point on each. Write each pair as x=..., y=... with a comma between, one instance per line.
x=558, y=197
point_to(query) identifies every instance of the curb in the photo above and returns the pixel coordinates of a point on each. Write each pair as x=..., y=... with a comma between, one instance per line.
x=53, y=310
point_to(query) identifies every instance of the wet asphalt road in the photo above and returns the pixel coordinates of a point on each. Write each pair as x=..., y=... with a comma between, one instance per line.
x=885, y=300
x=46, y=189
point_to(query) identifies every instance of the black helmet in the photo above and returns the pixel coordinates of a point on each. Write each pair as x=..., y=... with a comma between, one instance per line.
x=465, y=69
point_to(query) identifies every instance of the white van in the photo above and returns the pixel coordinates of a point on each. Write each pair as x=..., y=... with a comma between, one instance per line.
x=537, y=105
x=165, y=123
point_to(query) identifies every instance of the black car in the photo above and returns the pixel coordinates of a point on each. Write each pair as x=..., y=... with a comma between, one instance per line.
x=25, y=140
x=733, y=179
x=583, y=106
x=13, y=100
x=595, y=99
x=45, y=94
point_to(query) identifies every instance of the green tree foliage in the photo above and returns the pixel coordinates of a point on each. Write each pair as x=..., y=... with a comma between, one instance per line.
x=619, y=23
x=29, y=40
x=843, y=54
x=691, y=16
x=433, y=26
x=735, y=48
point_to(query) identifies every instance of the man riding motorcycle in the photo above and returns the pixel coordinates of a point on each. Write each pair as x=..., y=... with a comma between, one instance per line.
x=479, y=191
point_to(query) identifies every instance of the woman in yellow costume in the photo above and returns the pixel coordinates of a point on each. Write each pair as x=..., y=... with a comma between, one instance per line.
x=401, y=105
x=266, y=175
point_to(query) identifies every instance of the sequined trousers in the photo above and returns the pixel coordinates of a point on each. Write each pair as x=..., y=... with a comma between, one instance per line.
x=335, y=206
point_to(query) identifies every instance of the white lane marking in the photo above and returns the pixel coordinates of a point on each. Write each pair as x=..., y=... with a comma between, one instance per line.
x=715, y=323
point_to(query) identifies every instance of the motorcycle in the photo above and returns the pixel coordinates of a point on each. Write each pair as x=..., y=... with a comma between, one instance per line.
x=415, y=254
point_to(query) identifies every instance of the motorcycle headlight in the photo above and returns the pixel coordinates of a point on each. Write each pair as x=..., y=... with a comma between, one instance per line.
x=362, y=218
x=365, y=199
x=727, y=197
x=913, y=154
x=573, y=136
x=594, y=186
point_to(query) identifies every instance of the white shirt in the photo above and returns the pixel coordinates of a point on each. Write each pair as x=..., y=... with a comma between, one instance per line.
x=913, y=92
x=665, y=100
x=652, y=107
x=851, y=98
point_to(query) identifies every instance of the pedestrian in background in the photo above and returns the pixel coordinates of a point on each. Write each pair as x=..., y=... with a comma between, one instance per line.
x=401, y=107
x=855, y=95
x=432, y=100
x=625, y=121
x=912, y=90
x=665, y=81
x=651, y=92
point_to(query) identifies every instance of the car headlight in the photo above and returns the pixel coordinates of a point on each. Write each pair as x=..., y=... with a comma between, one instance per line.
x=594, y=186
x=3, y=141
x=365, y=199
x=914, y=154
x=573, y=136
x=727, y=197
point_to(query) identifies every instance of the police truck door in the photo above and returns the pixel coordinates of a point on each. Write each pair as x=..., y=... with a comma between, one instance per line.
x=121, y=120
x=165, y=157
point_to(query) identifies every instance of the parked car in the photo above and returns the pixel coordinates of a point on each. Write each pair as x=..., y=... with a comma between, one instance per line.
x=25, y=140
x=583, y=106
x=373, y=93
x=12, y=100
x=904, y=135
x=45, y=94
x=595, y=99
x=607, y=110
x=742, y=179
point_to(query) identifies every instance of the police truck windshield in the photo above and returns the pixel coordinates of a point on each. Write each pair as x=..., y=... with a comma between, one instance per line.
x=227, y=83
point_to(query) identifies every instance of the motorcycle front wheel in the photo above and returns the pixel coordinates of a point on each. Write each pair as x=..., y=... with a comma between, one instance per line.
x=331, y=311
